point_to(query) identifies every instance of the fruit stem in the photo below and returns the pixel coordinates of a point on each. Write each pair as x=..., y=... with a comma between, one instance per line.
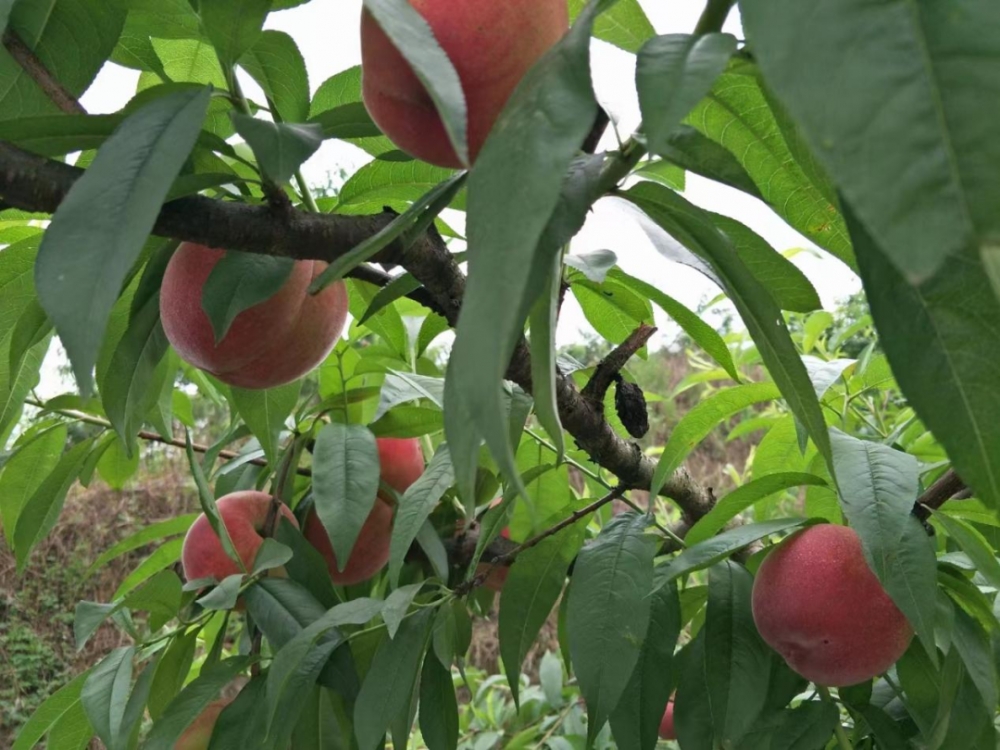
x=842, y=739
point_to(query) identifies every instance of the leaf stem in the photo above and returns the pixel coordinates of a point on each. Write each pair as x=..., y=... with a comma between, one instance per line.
x=842, y=739
x=714, y=16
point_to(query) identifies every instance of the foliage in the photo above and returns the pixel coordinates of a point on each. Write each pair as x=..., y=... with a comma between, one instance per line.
x=884, y=419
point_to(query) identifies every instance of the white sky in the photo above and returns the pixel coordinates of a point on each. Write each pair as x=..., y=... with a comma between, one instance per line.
x=329, y=44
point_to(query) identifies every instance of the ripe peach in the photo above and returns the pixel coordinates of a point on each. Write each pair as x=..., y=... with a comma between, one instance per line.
x=401, y=460
x=370, y=553
x=199, y=732
x=667, y=723
x=272, y=343
x=244, y=515
x=820, y=606
x=491, y=44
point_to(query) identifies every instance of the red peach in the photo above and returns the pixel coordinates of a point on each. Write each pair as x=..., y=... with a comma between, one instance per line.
x=667, y=723
x=274, y=342
x=244, y=515
x=371, y=550
x=491, y=44
x=199, y=732
x=820, y=606
x=401, y=460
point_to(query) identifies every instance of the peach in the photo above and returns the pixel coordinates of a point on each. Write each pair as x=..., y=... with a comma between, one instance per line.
x=667, y=723
x=199, y=732
x=491, y=44
x=244, y=515
x=818, y=604
x=274, y=342
x=370, y=553
x=401, y=461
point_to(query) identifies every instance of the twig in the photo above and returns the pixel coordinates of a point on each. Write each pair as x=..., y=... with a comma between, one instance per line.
x=508, y=558
x=37, y=71
x=943, y=490
x=609, y=367
x=152, y=437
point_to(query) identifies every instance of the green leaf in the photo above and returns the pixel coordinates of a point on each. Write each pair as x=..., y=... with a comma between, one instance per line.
x=543, y=320
x=696, y=425
x=265, y=413
x=881, y=112
x=307, y=566
x=171, y=672
x=105, y=696
x=614, y=310
x=163, y=557
x=694, y=152
x=539, y=133
x=416, y=505
x=142, y=537
x=910, y=580
x=413, y=221
x=26, y=470
x=71, y=38
x=100, y=227
x=345, y=483
x=413, y=37
x=731, y=505
x=88, y=617
x=280, y=148
x=238, y=282
x=62, y=703
x=339, y=99
x=804, y=728
x=234, y=27
x=790, y=288
x=609, y=607
x=191, y=701
x=942, y=338
x=379, y=183
x=973, y=644
x=636, y=719
x=452, y=632
x=42, y=509
x=275, y=63
x=974, y=544
x=878, y=490
x=624, y=24
x=389, y=684
x=115, y=466
x=5, y=6
x=713, y=550
x=223, y=597
x=125, y=386
x=735, y=663
x=533, y=586
x=700, y=332
x=396, y=606
x=438, y=706
x=738, y=115
x=693, y=228
x=673, y=73
x=594, y=265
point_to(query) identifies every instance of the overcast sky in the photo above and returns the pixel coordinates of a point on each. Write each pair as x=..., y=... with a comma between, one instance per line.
x=327, y=34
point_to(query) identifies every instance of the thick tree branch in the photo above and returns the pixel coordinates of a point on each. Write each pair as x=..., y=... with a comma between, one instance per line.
x=34, y=183
x=36, y=69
